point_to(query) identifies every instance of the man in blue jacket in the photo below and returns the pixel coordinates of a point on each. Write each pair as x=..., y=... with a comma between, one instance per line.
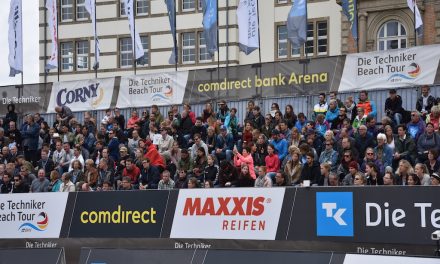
x=224, y=145
x=280, y=144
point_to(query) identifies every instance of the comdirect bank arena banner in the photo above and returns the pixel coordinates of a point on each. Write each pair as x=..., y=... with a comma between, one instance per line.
x=150, y=89
x=36, y=215
x=245, y=213
x=392, y=68
x=84, y=95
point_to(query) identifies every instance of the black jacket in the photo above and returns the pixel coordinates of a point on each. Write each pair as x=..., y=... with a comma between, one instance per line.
x=394, y=106
x=431, y=102
x=312, y=173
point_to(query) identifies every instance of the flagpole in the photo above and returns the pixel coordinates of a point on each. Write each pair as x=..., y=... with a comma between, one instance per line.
x=58, y=43
x=218, y=44
x=357, y=28
x=96, y=45
x=45, y=41
x=175, y=36
x=415, y=29
x=22, y=48
x=258, y=24
x=134, y=35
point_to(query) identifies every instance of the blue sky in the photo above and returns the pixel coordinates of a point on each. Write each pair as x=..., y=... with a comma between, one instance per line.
x=30, y=39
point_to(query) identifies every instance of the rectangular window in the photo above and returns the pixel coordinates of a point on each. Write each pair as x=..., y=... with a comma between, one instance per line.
x=282, y=41
x=188, y=48
x=310, y=39
x=142, y=7
x=81, y=12
x=82, y=55
x=203, y=50
x=67, y=56
x=188, y=5
x=122, y=8
x=66, y=10
x=145, y=44
x=322, y=38
x=126, y=53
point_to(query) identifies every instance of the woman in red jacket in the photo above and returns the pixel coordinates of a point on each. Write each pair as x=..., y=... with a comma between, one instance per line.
x=272, y=162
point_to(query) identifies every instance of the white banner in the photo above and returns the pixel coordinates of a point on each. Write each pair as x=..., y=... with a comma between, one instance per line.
x=91, y=9
x=135, y=38
x=247, y=16
x=51, y=6
x=146, y=90
x=36, y=215
x=392, y=68
x=368, y=259
x=243, y=213
x=15, y=38
x=84, y=95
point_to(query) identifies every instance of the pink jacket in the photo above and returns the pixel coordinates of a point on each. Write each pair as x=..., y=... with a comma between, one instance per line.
x=239, y=159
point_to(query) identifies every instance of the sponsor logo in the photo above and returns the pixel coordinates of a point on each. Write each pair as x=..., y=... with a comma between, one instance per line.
x=93, y=92
x=228, y=214
x=334, y=214
x=42, y=223
x=119, y=216
x=411, y=72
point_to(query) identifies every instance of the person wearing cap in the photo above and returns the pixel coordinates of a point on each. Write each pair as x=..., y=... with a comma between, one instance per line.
x=353, y=168
x=435, y=179
x=280, y=144
x=393, y=107
x=222, y=112
x=224, y=145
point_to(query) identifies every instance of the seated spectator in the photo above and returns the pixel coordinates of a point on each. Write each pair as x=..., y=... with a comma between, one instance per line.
x=198, y=143
x=363, y=141
x=131, y=171
x=181, y=181
x=166, y=183
x=26, y=176
x=222, y=112
x=329, y=155
x=293, y=166
x=332, y=112
x=113, y=145
x=321, y=125
x=134, y=118
x=262, y=180
x=45, y=163
x=224, y=145
x=382, y=151
x=428, y=140
x=6, y=185
x=281, y=179
x=325, y=173
x=153, y=155
x=55, y=182
x=423, y=174
x=432, y=162
x=208, y=112
x=149, y=176
x=91, y=174
x=76, y=156
x=125, y=184
x=244, y=178
x=373, y=175
x=388, y=179
x=267, y=127
x=289, y=116
x=311, y=171
x=370, y=157
x=231, y=123
x=416, y=126
x=353, y=169
x=279, y=144
x=19, y=186
x=211, y=139
x=165, y=144
x=412, y=180
x=434, y=117
x=228, y=174
x=302, y=121
x=435, y=179
x=393, y=107
x=359, y=180
x=41, y=183
x=272, y=162
x=405, y=148
x=211, y=170
x=105, y=174
x=360, y=119
x=193, y=183
x=285, y=132
x=403, y=171
x=66, y=185
x=133, y=142
x=200, y=162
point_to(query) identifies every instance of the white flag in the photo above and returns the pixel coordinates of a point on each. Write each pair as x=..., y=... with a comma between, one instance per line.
x=136, y=39
x=91, y=8
x=51, y=6
x=15, y=38
x=247, y=16
x=411, y=5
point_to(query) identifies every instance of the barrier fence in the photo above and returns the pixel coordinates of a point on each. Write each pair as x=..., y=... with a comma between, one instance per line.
x=382, y=220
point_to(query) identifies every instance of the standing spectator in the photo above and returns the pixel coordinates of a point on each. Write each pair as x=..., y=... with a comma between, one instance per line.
x=250, y=111
x=41, y=183
x=166, y=183
x=393, y=107
x=222, y=112
x=321, y=107
x=30, y=132
x=11, y=115
x=333, y=96
x=425, y=102
x=352, y=109
x=368, y=105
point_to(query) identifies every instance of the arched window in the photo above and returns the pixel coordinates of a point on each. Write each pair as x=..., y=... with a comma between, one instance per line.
x=392, y=35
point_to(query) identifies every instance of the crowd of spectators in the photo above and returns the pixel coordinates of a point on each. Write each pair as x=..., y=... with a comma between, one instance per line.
x=341, y=143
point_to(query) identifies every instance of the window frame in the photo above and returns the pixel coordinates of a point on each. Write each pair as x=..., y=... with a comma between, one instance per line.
x=69, y=56
x=121, y=52
x=86, y=55
x=72, y=7
x=386, y=38
x=77, y=5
